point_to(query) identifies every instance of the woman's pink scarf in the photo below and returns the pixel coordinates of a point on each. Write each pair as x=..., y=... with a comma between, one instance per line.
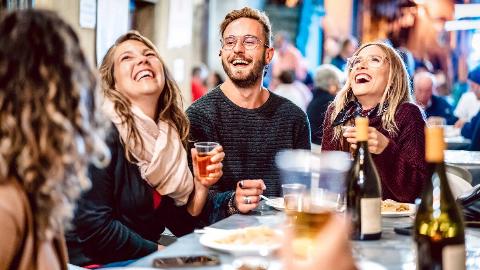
x=162, y=160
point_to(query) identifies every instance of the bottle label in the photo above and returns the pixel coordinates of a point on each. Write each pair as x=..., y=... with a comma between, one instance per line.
x=371, y=219
x=453, y=257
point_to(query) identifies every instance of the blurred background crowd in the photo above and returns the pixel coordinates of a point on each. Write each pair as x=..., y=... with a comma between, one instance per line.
x=439, y=41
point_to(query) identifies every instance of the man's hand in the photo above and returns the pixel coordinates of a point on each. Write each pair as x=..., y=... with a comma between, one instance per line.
x=247, y=194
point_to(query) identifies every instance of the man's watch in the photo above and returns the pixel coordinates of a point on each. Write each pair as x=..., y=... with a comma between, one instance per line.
x=232, y=206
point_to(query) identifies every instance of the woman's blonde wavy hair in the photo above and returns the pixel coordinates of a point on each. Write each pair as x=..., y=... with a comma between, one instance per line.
x=397, y=91
x=169, y=102
x=48, y=119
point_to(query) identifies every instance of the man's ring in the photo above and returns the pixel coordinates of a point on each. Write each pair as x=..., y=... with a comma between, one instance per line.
x=241, y=184
x=247, y=200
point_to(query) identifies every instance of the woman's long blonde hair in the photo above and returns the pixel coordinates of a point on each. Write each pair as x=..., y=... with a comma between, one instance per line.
x=397, y=91
x=48, y=116
x=169, y=102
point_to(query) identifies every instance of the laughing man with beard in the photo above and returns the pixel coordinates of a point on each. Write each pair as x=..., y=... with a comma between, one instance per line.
x=250, y=122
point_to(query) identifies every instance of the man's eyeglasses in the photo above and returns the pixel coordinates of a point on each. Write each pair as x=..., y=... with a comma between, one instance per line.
x=249, y=42
x=373, y=61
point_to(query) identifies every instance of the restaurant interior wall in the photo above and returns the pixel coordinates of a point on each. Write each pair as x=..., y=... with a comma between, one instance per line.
x=179, y=59
x=152, y=19
x=69, y=11
x=338, y=18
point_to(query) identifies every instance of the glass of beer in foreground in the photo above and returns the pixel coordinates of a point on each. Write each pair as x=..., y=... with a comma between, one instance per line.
x=323, y=176
x=204, y=154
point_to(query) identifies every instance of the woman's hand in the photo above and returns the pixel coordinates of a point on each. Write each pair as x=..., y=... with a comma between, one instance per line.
x=377, y=142
x=201, y=184
x=214, y=169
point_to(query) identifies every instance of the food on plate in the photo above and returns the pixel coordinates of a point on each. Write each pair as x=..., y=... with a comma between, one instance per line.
x=249, y=267
x=250, y=263
x=251, y=235
x=394, y=206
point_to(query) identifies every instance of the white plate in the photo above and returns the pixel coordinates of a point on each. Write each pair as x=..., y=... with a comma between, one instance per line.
x=462, y=157
x=451, y=131
x=277, y=203
x=410, y=212
x=369, y=265
x=210, y=239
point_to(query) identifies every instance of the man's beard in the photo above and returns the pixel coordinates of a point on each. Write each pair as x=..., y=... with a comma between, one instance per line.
x=252, y=77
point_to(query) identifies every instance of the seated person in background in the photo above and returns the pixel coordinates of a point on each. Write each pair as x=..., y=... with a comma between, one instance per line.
x=425, y=96
x=349, y=45
x=408, y=60
x=460, y=85
x=287, y=57
x=471, y=130
x=423, y=65
x=378, y=88
x=214, y=79
x=475, y=145
x=327, y=81
x=198, y=87
x=148, y=185
x=48, y=127
x=293, y=90
x=469, y=104
x=250, y=122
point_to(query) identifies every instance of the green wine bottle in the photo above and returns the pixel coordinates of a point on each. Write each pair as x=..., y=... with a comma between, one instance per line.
x=364, y=194
x=439, y=228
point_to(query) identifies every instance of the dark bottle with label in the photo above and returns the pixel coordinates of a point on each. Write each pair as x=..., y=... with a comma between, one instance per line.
x=364, y=193
x=439, y=228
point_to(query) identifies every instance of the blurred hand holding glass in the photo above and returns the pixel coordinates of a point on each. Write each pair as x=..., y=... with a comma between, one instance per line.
x=323, y=178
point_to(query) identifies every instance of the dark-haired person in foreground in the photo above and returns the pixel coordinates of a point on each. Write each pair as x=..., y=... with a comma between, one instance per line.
x=48, y=130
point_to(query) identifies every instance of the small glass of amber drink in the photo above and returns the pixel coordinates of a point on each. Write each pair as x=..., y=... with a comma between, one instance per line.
x=204, y=154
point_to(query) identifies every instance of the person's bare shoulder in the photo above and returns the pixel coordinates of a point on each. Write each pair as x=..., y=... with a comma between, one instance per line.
x=12, y=202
